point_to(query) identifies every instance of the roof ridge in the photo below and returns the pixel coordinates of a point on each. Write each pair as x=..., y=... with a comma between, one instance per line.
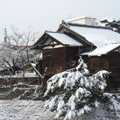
x=91, y=26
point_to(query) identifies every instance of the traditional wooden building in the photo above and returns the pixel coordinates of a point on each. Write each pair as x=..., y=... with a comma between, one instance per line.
x=60, y=52
x=99, y=46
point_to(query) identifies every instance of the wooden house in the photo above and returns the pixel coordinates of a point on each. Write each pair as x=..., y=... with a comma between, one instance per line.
x=60, y=52
x=99, y=46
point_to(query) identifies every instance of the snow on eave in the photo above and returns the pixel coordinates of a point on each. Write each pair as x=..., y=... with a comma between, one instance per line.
x=64, y=39
x=103, y=50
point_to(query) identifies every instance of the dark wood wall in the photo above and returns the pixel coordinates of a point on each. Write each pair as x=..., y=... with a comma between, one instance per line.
x=114, y=68
x=54, y=60
x=58, y=59
x=72, y=56
x=109, y=62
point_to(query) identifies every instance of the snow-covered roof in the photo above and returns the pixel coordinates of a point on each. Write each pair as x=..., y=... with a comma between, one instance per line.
x=64, y=39
x=99, y=36
x=103, y=50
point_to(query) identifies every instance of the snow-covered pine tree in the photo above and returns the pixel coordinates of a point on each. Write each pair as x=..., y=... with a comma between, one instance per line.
x=111, y=23
x=75, y=92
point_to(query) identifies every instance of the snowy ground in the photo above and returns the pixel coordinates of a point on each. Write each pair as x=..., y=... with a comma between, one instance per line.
x=23, y=110
x=34, y=110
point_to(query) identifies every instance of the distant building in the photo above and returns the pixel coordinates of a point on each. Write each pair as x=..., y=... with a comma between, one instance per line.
x=84, y=20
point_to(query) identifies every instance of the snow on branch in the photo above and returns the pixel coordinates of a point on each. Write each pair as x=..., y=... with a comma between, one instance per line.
x=76, y=91
x=111, y=23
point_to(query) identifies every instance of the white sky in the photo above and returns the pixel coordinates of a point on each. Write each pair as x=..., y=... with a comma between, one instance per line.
x=44, y=15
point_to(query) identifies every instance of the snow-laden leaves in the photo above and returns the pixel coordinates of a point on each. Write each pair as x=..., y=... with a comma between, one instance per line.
x=78, y=91
x=113, y=24
x=96, y=103
x=114, y=101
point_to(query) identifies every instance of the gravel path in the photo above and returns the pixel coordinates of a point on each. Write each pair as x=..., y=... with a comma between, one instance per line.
x=23, y=110
x=34, y=110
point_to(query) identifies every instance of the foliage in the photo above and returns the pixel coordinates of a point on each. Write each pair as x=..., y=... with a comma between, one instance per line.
x=112, y=24
x=16, y=51
x=74, y=92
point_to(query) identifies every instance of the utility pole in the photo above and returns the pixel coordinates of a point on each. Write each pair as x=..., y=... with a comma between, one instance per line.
x=5, y=35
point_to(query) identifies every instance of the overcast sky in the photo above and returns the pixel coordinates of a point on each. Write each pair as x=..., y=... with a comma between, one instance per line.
x=44, y=15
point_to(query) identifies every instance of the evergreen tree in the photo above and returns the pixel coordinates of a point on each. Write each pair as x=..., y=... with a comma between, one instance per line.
x=75, y=92
x=112, y=24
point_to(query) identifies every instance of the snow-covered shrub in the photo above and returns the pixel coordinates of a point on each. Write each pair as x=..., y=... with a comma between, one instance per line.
x=74, y=92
